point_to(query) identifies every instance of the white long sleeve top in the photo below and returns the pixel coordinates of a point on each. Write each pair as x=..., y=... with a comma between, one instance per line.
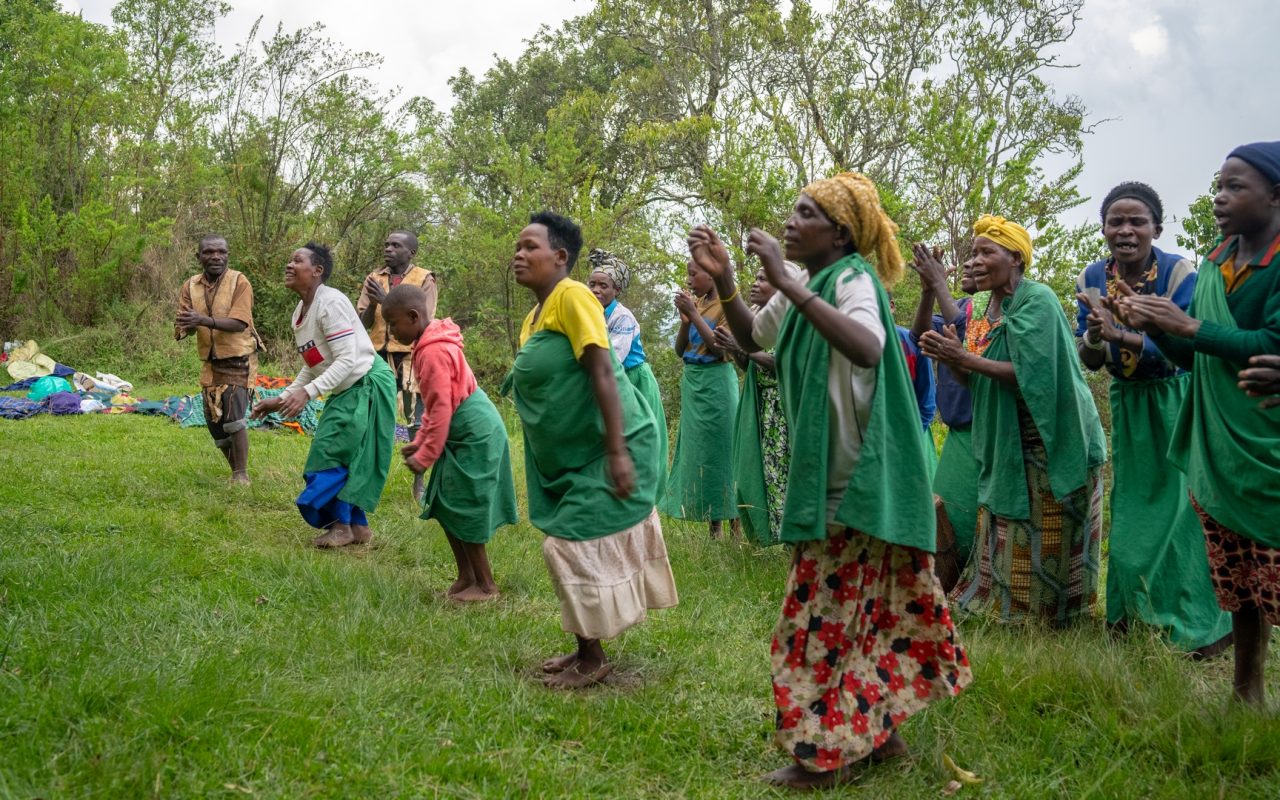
x=335, y=348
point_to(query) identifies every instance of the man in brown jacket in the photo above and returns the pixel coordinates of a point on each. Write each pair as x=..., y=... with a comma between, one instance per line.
x=397, y=257
x=217, y=306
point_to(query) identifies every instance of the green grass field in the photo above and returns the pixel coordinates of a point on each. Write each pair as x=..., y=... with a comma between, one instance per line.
x=165, y=635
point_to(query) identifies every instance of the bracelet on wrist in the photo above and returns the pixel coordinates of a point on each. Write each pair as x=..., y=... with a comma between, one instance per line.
x=734, y=294
x=1094, y=344
x=802, y=303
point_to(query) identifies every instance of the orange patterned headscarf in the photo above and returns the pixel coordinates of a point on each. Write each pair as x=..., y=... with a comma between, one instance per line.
x=851, y=200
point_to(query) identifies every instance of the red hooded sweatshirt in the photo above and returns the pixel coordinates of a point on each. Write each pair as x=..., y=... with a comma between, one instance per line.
x=444, y=381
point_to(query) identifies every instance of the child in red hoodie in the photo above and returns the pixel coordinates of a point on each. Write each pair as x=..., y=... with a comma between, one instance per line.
x=462, y=441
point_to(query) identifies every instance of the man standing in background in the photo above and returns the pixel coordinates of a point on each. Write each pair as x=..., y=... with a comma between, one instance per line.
x=217, y=306
x=398, y=268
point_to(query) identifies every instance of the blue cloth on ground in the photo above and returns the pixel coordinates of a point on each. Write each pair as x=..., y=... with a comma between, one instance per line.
x=319, y=503
x=19, y=408
x=62, y=403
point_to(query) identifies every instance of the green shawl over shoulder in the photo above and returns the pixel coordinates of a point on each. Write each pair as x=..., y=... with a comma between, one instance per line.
x=889, y=494
x=570, y=493
x=748, y=463
x=1036, y=338
x=1228, y=446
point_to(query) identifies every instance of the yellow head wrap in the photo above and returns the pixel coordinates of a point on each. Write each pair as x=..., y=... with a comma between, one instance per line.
x=1009, y=235
x=851, y=200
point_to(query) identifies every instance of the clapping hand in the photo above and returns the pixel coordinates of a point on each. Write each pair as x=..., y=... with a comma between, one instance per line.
x=945, y=347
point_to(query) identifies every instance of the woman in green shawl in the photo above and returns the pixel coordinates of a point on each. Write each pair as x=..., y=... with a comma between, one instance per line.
x=591, y=458
x=1038, y=442
x=865, y=638
x=700, y=485
x=1225, y=442
x=760, y=450
x=1157, y=571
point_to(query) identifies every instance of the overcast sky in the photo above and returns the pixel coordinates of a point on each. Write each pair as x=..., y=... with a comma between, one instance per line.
x=1181, y=81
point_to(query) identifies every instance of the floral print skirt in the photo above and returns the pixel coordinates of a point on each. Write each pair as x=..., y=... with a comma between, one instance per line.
x=864, y=641
x=1243, y=572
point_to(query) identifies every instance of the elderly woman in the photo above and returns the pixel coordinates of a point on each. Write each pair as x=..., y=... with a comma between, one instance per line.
x=1038, y=442
x=591, y=458
x=865, y=638
x=1226, y=444
x=350, y=454
x=1157, y=570
x=609, y=278
x=761, y=453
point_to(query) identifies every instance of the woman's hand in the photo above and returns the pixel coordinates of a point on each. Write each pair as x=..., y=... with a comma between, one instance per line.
x=928, y=265
x=1100, y=324
x=945, y=347
x=622, y=473
x=264, y=407
x=292, y=402
x=686, y=305
x=1262, y=377
x=725, y=341
x=766, y=248
x=1152, y=314
x=708, y=252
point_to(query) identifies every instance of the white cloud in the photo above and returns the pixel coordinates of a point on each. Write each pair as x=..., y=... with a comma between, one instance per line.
x=1151, y=41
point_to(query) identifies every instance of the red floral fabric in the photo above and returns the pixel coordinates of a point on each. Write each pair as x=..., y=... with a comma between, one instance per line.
x=864, y=641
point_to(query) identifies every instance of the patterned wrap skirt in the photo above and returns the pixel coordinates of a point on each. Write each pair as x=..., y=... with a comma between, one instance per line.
x=865, y=640
x=1044, y=567
x=1244, y=573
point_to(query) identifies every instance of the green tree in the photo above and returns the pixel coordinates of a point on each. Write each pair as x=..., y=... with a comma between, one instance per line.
x=1200, y=227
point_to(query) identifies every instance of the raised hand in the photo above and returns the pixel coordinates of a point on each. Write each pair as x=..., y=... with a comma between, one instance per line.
x=928, y=265
x=1100, y=323
x=763, y=246
x=708, y=252
x=374, y=290
x=685, y=305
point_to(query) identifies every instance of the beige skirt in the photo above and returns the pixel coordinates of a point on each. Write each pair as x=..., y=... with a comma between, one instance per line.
x=606, y=585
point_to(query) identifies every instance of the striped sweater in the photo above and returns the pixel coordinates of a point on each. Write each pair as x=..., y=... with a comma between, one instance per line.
x=335, y=348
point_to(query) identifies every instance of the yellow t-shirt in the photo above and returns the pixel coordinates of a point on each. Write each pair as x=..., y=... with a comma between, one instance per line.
x=570, y=309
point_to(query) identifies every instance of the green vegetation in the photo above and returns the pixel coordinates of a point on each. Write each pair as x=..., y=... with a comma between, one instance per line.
x=163, y=635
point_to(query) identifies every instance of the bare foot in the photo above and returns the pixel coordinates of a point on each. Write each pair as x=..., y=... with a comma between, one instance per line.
x=360, y=534
x=474, y=594
x=797, y=777
x=239, y=479
x=337, y=536
x=713, y=528
x=579, y=675
x=560, y=663
x=894, y=747
x=457, y=586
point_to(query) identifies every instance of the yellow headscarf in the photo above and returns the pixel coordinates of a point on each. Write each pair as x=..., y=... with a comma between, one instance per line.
x=1009, y=235
x=851, y=200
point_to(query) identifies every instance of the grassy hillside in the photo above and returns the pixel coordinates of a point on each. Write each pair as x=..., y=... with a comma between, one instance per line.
x=165, y=635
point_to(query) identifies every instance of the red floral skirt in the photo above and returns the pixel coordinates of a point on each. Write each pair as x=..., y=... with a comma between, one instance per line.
x=864, y=641
x=1244, y=573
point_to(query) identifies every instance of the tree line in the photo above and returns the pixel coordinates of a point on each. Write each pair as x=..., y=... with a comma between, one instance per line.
x=639, y=118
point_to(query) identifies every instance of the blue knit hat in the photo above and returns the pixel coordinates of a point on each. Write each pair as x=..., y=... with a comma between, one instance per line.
x=1262, y=156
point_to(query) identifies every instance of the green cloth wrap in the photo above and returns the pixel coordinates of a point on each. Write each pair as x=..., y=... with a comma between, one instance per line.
x=889, y=494
x=646, y=383
x=700, y=485
x=1036, y=338
x=357, y=430
x=1158, y=569
x=748, y=463
x=471, y=492
x=956, y=482
x=1228, y=446
x=570, y=493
